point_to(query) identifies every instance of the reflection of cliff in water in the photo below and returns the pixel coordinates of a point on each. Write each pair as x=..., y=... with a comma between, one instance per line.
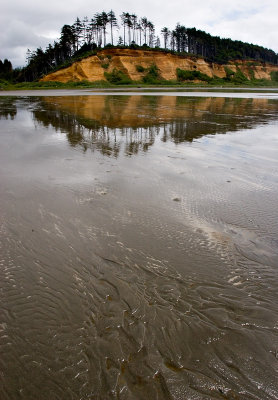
x=90, y=134
x=8, y=107
x=107, y=123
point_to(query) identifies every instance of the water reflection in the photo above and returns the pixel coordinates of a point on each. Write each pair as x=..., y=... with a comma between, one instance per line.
x=106, y=123
x=8, y=108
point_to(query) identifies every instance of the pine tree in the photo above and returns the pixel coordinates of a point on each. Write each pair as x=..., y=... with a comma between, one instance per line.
x=77, y=30
x=113, y=23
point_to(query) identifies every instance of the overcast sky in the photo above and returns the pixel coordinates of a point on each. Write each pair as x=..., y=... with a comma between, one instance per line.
x=36, y=23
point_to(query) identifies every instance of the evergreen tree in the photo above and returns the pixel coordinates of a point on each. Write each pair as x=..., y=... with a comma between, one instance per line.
x=144, y=24
x=140, y=30
x=68, y=41
x=77, y=30
x=151, y=29
x=104, y=23
x=113, y=23
x=124, y=18
x=134, y=25
x=85, y=23
x=166, y=33
x=98, y=24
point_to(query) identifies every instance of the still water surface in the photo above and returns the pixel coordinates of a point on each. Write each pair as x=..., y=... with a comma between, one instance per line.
x=139, y=250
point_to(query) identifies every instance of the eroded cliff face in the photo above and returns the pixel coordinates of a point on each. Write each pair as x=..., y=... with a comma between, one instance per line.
x=126, y=60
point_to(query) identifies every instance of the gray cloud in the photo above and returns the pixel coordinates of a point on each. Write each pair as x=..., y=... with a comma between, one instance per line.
x=32, y=24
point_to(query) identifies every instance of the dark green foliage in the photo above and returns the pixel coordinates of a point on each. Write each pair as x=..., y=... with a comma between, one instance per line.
x=239, y=77
x=229, y=73
x=217, y=81
x=134, y=46
x=215, y=49
x=54, y=85
x=185, y=75
x=4, y=84
x=86, y=48
x=83, y=55
x=8, y=75
x=105, y=65
x=5, y=67
x=140, y=68
x=117, y=77
x=6, y=70
x=274, y=76
x=251, y=73
x=152, y=76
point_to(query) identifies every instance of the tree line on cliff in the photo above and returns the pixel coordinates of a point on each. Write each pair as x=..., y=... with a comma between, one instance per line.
x=85, y=36
x=6, y=69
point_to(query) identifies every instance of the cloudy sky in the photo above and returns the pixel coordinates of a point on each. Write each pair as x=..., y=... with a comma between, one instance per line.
x=36, y=23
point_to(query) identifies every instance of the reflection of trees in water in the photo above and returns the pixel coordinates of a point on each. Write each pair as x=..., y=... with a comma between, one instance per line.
x=219, y=117
x=184, y=120
x=138, y=139
x=90, y=134
x=8, y=108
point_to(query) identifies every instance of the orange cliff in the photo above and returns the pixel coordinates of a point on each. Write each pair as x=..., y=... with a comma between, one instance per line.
x=93, y=67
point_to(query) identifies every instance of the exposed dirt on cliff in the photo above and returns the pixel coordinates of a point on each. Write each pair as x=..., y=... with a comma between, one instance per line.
x=93, y=68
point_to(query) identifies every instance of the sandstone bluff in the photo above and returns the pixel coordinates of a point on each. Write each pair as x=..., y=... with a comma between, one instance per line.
x=93, y=68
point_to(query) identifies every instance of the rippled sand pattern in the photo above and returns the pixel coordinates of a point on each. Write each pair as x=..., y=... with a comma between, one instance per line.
x=139, y=248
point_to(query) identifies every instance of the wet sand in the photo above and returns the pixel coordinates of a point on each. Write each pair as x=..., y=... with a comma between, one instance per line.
x=187, y=92
x=139, y=246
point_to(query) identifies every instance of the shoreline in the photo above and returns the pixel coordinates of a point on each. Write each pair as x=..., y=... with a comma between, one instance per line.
x=240, y=92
